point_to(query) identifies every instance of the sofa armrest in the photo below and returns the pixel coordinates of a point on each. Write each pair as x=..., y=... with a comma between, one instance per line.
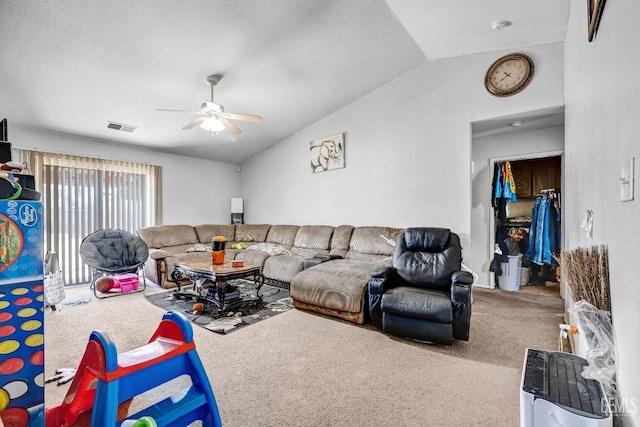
x=463, y=277
x=460, y=293
x=376, y=290
x=381, y=281
x=156, y=266
x=158, y=254
x=327, y=257
x=382, y=273
x=461, y=298
x=461, y=287
x=319, y=259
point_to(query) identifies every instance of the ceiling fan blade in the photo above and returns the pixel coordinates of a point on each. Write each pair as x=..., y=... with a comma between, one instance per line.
x=245, y=117
x=178, y=111
x=194, y=123
x=230, y=126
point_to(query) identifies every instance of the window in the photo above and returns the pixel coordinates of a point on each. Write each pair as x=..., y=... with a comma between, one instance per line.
x=81, y=195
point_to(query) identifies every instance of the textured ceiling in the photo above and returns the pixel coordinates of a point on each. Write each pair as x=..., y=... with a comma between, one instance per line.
x=460, y=27
x=72, y=66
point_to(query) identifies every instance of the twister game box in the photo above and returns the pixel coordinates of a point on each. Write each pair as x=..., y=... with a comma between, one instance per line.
x=21, y=241
x=21, y=314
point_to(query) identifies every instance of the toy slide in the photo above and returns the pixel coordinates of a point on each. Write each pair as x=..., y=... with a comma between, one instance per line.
x=105, y=379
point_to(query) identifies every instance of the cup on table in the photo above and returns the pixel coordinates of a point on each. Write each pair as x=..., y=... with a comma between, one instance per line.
x=217, y=257
x=217, y=250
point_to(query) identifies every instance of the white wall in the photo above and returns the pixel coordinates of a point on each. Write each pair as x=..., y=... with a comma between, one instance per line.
x=408, y=149
x=514, y=144
x=195, y=191
x=602, y=111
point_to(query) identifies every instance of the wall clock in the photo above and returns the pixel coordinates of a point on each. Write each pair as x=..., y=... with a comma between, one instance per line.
x=509, y=75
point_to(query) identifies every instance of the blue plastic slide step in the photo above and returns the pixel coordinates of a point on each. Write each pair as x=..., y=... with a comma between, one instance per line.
x=180, y=409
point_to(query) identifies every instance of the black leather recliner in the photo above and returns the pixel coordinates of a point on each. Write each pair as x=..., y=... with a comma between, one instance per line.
x=424, y=295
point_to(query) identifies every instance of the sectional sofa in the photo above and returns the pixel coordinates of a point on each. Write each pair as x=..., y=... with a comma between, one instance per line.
x=326, y=268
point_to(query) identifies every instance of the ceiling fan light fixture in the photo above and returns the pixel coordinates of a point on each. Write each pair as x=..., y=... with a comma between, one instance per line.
x=213, y=118
x=212, y=125
x=499, y=25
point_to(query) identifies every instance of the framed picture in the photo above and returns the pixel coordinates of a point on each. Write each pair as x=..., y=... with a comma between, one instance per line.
x=3, y=130
x=327, y=153
x=594, y=13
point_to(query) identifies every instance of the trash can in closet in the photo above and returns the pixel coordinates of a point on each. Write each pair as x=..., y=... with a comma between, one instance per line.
x=511, y=271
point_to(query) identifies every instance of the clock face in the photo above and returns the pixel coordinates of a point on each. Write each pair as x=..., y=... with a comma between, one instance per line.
x=509, y=75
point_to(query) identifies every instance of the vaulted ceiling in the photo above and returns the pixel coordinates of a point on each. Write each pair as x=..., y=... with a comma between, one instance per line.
x=73, y=66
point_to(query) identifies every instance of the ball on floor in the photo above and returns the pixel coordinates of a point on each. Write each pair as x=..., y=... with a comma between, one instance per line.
x=104, y=284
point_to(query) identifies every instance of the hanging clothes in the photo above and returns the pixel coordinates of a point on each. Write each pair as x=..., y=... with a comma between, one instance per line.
x=544, y=238
x=510, y=184
x=503, y=189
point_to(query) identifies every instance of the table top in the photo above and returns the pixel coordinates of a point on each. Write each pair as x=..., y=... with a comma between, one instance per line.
x=220, y=270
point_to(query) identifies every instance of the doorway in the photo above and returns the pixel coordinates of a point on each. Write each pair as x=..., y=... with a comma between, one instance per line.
x=526, y=199
x=538, y=134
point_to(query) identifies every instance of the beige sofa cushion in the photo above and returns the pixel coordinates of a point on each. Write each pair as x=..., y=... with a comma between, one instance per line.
x=367, y=244
x=162, y=236
x=308, y=241
x=341, y=239
x=282, y=268
x=251, y=232
x=284, y=235
x=338, y=286
x=206, y=232
x=312, y=240
x=181, y=249
x=251, y=257
x=257, y=253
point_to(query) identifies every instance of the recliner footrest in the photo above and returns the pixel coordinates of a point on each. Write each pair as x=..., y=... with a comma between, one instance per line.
x=417, y=329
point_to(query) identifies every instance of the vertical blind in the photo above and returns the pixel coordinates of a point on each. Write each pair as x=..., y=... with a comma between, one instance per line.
x=81, y=195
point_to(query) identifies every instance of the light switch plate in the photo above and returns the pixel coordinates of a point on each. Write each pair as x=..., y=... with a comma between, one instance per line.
x=626, y=181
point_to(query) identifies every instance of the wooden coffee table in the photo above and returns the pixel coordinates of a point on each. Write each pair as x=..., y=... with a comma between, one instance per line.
x=205, y=276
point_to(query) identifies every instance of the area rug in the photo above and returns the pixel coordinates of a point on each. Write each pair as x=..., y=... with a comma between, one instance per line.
x=274, y=301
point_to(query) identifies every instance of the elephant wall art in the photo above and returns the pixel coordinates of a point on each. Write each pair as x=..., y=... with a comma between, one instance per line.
x=327, y=153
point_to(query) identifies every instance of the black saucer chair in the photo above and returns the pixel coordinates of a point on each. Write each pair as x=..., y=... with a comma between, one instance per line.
x=108, y=252
x=424, y=296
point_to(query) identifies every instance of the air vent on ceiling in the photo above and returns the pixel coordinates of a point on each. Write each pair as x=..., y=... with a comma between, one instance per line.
x=121, y=127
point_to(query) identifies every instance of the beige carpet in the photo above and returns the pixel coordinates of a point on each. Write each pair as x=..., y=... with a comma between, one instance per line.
x=301, y=369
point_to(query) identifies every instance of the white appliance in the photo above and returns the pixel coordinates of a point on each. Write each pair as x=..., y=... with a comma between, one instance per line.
x=553, y=393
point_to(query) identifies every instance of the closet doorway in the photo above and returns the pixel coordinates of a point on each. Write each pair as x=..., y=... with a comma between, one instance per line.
x=527, y=198
x=523, y=136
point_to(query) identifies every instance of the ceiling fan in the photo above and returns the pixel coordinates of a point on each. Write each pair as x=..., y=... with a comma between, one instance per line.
x=213, y=118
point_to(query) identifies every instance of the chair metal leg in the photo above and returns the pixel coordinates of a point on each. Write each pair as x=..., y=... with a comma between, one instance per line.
x=93, y=284
x=144, y=281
